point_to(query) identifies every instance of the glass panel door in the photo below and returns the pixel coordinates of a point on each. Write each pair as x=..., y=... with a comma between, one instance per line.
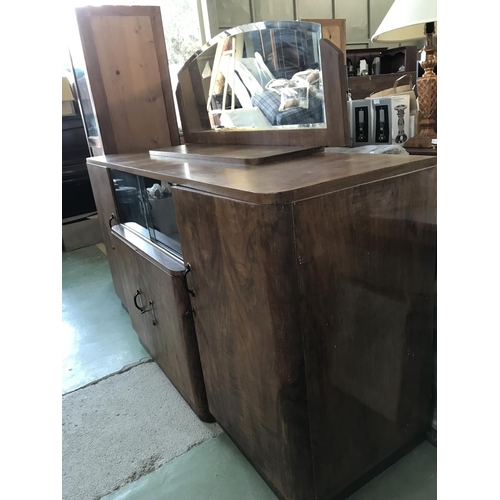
x=129, y=200
x=146, y=206
x=162, y=223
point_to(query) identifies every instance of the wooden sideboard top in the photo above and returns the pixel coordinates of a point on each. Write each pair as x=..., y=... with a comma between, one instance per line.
x=273, y=183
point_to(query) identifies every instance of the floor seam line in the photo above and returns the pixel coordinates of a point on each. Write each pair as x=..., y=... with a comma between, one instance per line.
x=126, y=368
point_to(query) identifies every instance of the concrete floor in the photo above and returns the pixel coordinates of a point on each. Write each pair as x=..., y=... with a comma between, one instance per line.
x=98, y=339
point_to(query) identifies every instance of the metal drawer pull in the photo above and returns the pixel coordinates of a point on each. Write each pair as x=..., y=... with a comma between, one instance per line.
x=186, y=271
x=111, y=220
x=142, y=308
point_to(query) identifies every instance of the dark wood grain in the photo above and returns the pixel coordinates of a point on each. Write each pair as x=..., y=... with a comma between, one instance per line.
x=174, y=335
x=363, y=86
x=188, y=110
x=236, y=155
x=282, y=182
x=248, y=328
x=180, y=96
x=171, y=341
x=95, y=81
x=393, y=59
x=334, y=71
x=422, y=151
x=390, y=60
x=314, y=307
x=128, y=265
x=166, y=85
x=306, y=137
x=366, y=270
x=169, y=263
x=199, y=96
x=105, y=203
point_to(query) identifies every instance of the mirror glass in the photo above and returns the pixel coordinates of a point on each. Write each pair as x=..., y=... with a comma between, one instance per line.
x=259, y=76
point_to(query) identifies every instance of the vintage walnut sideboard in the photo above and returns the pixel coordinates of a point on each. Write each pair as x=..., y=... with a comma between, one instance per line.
x=306, y=285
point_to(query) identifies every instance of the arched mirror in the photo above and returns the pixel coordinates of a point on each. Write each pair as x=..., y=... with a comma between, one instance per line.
x=269, y=83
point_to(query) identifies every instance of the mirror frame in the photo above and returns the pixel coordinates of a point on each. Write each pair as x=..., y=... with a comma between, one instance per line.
x=334, y=74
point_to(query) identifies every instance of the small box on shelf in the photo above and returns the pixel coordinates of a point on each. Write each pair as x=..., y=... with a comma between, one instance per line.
x=82, y=232
x=383, y=120
x=360, y=118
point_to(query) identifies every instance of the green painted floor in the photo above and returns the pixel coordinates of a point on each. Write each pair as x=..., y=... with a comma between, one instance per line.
x=216, y=470
x=98, y=340
x=97, y=336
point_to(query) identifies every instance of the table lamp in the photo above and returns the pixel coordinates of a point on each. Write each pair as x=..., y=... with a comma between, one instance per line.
x=413, y=20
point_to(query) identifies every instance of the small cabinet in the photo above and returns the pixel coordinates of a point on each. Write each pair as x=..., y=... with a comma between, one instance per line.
x=145, y=257
x=160, y=311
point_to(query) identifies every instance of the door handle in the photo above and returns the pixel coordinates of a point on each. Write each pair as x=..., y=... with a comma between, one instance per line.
x=111, y=220
x=184, y=276
x=142, y=308
x=136, y=296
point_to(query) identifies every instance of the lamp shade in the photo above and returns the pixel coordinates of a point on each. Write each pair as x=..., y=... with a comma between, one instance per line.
x=406, y=20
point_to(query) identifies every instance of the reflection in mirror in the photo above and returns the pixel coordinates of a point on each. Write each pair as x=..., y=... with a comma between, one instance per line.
x=261, y=76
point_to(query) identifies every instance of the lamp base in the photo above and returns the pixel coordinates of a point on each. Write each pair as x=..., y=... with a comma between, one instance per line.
x=427, y=95
x=420, y=142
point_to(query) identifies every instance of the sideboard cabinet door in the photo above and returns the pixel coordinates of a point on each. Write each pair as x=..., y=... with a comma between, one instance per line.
x=368, y=293
x=248, y=328
x=161, y=314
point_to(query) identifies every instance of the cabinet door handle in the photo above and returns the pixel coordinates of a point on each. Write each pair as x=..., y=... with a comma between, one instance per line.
x=111, y=220
x=142, y=309
x=186, y=271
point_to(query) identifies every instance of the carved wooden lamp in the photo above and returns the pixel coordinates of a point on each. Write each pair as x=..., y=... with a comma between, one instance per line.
x=413, y=20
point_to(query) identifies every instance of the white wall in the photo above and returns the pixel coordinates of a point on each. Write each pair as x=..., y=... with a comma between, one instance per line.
x=362, y=16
